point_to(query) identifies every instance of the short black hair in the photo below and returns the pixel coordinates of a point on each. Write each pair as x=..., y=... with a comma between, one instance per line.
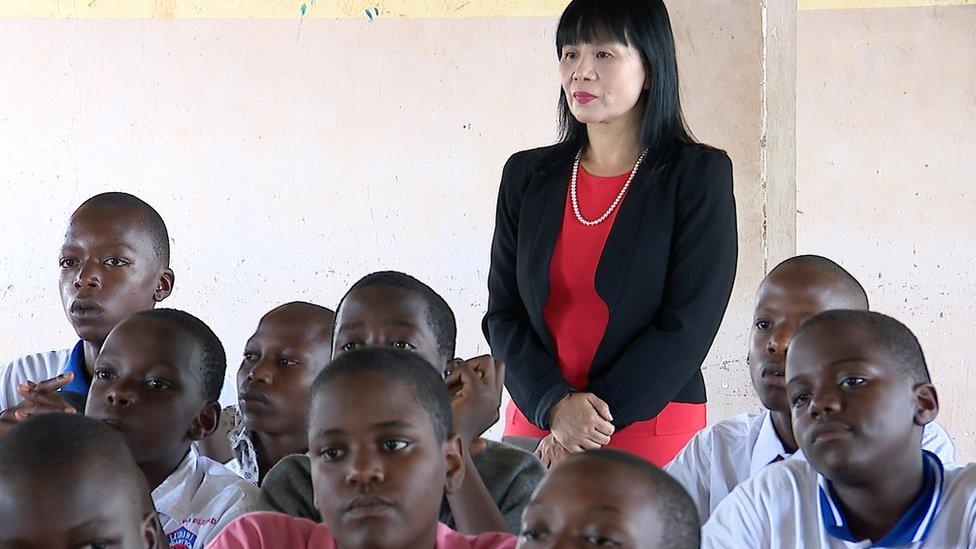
x=47, y=445
x=439, y=313
x=213, y=363
x=831, y=269
x=327, y=314
x=674, y=506
x=645, y=24
x=155, y=226
x=888, y=335
x=401, y=367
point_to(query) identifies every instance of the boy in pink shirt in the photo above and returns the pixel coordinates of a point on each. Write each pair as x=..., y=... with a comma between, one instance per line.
x=383, y=456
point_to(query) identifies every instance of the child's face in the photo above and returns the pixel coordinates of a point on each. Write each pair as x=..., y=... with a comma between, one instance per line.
x=89, y=514
x=378, y=471
x=383, y=316
x=109, y=270
x=146, y=386
x=290, y=346
x=785, y=299
x=590, y=503
x=853, y=409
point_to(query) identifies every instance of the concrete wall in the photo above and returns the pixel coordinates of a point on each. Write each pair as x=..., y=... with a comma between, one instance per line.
x=292, y=154
x=886, y=111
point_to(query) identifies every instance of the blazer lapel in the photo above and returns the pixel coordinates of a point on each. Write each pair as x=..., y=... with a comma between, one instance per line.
x=611, y=272
x=551, y=186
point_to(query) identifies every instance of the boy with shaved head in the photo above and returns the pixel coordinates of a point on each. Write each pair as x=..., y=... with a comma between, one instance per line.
x=724, y=455
x=608, y=498
x=291, y=345
x=114, y=262
x=860, y=396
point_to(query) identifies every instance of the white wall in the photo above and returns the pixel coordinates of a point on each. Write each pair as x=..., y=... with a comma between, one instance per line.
x=289, y=158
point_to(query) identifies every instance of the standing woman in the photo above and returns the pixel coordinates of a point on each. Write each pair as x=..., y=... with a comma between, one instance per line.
x=614, y=250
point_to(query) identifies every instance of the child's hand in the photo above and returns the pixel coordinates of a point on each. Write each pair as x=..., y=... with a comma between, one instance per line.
x=581, y=421
x=39, y=398
x=476, y=395
x=550, y=452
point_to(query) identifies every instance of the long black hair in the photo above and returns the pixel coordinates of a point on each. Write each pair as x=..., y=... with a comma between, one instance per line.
x=645, y=25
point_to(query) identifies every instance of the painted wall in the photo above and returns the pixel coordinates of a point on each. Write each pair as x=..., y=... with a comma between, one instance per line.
x=292, y=155
x=886, y=111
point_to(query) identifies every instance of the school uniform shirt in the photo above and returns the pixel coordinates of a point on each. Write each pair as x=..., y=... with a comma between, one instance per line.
x=724, y=455
x=41, y=366
x=275, y=531
x=245, y=462
x=199, y=499
x=791, y=505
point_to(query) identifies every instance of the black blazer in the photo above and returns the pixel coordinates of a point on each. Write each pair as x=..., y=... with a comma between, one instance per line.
x=666, y=275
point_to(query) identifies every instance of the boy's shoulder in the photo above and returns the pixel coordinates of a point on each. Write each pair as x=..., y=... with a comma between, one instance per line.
x=773, y=508
x=450, y=539
x=733, y=437
x=781, y=488
x=960, y=485
x=499, y=455
x=272, y=530
x=737, y=427
x=205, y=489
x=936, y=439
x=35, y=367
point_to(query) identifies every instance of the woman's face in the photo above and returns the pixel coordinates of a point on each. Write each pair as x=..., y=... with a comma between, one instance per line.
x=602, y=81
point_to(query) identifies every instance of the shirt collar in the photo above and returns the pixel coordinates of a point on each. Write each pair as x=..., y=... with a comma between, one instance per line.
x=768, y=446
x=244, y=452
x=174, y=495
x=911, y=528
x=76, y=365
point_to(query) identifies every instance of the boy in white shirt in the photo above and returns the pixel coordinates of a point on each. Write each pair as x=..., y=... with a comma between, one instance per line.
x=724, y=455
x=114, y=262
x=291, y=345
x=860, y=395
x=157, y=381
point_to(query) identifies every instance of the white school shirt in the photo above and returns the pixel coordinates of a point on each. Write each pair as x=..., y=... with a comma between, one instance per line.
x=788, y=505
x=722, y=456
x=199, y=499
x=37, y=367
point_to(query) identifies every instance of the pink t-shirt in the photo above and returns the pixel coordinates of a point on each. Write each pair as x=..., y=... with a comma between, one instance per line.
x=274, y=531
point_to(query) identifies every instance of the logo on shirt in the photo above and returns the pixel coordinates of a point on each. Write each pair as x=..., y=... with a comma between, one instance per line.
x=182, y=539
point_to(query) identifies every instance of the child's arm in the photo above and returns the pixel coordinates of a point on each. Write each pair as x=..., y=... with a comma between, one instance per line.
x=473, y=404
x=474, y=510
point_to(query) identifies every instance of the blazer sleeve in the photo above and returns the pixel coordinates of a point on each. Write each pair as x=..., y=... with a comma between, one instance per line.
x=532, y=375
x=698, y=284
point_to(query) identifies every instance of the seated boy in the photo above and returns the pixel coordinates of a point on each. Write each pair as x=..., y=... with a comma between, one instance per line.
x=292, y=344
x=114, y=262
x=860, y=394
x=157, y=381
x=608, y=498
x=724, y=455
x=69, y=481
x=384, y=451
x=391, y=309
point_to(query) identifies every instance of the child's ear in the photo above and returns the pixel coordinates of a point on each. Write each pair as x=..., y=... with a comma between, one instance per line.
x=152, y=531
x=454, y=457
x=926, y=403
x=164, y=286
x=206, y=422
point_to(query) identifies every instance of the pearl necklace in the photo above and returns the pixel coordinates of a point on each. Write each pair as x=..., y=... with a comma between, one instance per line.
x=616, y=201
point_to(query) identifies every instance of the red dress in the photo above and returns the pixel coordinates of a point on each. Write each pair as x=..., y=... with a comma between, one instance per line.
x=576, y=317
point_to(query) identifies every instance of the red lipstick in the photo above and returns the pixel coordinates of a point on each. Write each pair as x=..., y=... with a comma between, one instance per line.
x=583, y=97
